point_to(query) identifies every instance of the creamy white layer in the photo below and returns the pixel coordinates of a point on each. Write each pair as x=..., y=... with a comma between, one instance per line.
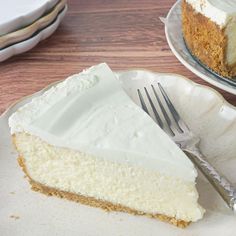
x=91, y=113
x=119, y=183
x=231, y=47
x=219, y=11
x=223, y=13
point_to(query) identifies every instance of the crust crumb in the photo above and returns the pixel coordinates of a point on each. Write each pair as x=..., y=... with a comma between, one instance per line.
x=15, y=217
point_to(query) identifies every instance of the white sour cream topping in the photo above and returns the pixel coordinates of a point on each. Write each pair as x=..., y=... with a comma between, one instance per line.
x=91, y=113
x=219, y=11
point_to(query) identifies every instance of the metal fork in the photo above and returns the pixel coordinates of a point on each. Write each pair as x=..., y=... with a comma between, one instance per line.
x=186, y=140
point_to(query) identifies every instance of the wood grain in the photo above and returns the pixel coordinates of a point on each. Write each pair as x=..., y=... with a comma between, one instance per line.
x=125, y=34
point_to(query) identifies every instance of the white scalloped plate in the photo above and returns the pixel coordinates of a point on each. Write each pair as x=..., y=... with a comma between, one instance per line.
x=31, y=42
x=208, y=115
x=26, y=32
x=173, y=31
x=15, y=14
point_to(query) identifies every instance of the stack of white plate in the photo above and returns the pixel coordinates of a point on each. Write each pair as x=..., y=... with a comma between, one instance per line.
x=23, y=24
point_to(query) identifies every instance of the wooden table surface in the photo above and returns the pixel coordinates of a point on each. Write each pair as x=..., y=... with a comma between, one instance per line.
x=125, y=34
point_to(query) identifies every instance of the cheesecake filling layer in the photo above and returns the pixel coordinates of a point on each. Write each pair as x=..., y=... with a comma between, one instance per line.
x=119, y=183
x=231, y=43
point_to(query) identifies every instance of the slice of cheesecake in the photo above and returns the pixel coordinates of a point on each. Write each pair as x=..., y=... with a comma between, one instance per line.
x=209, y=29
x=86, y=140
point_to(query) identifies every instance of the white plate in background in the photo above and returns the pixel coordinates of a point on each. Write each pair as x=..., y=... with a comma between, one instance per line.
x=173, y=31
x=28, y=44
x=207, y=114
x=26, y=32
x=15, y=14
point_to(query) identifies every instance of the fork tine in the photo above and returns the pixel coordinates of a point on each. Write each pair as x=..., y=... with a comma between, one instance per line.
x=180, y=123
x=161, y=106
x=142, y=102
x=159, y=121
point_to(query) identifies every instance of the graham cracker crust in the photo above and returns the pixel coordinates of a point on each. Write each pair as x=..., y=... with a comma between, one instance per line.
x=90, y=201
x=206, y=40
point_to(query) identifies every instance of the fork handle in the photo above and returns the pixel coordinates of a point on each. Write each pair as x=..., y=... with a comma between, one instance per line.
x=220, y=183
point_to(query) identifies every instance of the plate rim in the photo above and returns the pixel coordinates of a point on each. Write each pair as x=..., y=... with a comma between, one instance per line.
x=218, y=84
x=224, y=102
